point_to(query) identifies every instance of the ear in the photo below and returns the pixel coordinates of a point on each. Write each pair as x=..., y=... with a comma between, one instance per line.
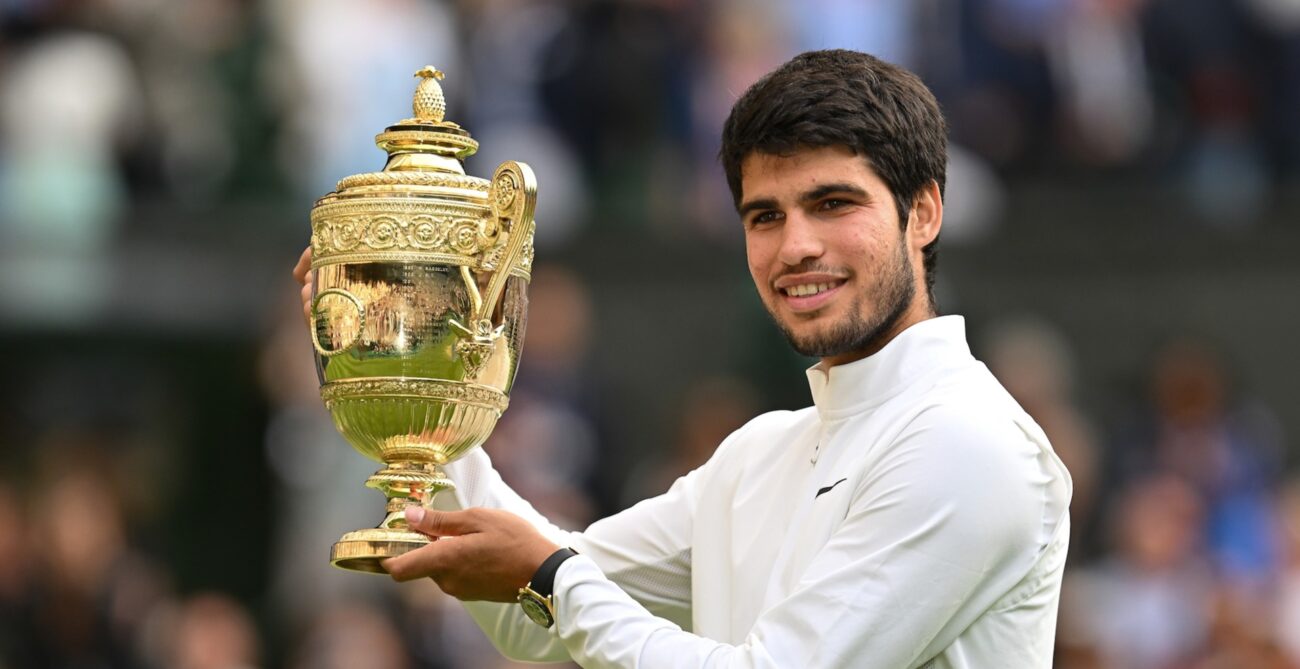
x=925, y=217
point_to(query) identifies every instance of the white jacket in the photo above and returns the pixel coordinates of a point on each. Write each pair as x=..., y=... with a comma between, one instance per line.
x=916, y=516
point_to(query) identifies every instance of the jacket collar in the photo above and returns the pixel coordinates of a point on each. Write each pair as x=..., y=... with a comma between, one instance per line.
x=925, y=347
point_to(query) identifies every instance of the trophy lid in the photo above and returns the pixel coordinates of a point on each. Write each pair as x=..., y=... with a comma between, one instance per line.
x=428, y=131
x=423, y=207
x=425, y=150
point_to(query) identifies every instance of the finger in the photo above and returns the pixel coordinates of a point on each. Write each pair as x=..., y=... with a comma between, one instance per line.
x=419, y=563
x=441, y=523
x=304, y=265
x=305, y=292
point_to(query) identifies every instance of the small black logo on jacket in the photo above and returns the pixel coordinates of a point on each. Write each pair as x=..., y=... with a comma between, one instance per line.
x=828, y=488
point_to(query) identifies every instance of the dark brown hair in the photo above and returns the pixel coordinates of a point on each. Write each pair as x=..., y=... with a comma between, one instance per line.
x=837, y=97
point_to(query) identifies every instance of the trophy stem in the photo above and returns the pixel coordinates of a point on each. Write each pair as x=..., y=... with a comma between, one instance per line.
x=405, y=484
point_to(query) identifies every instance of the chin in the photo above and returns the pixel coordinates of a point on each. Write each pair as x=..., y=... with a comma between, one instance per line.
x=808, y=342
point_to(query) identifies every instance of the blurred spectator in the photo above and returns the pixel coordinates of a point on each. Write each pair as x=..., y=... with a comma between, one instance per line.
x=188, y=55
x=883, y=28
x=1287, y=620
x=1147, y=606
x=1227, y=448
x=93, y=592
x=335, y=98
x=60, y=187
x=1000, y=102
x=213, y=632
x=1238, y=638
x=66, y=102
x=1100, y=70
x=508, y=67
x=349, y=635
x=617, y=93
x=1207, y=50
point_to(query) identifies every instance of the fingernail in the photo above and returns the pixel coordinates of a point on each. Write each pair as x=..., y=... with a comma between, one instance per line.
x=414, y=514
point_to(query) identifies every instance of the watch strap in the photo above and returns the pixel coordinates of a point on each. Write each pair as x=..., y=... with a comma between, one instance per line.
x=543, y=581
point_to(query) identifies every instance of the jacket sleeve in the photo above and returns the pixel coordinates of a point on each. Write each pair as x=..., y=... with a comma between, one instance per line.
x=644, y=552
x=949, y=520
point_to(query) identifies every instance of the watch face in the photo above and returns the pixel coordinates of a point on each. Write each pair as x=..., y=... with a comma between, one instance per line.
x=536, y=609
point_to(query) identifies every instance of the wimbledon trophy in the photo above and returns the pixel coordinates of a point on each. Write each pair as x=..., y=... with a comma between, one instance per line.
x=418, y=311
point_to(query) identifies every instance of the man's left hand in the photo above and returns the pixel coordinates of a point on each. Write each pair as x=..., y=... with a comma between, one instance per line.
x=476, y=554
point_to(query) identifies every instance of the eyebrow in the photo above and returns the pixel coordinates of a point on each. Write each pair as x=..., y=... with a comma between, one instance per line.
x=809, y=196
x=752, y=205
x=824, y=190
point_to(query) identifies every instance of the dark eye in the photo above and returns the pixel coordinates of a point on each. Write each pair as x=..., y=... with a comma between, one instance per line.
x=833, y=204
x=764, y=217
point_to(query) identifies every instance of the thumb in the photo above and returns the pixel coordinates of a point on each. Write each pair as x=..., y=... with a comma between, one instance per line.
x=440, y=523
x=303, y=267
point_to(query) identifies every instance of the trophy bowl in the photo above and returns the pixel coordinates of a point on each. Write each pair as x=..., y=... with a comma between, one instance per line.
x=418, y=311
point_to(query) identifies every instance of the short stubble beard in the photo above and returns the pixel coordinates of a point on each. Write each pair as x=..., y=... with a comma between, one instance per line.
x=896, y=291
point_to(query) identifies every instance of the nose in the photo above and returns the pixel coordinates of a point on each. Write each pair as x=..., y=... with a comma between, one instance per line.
x=799, y=240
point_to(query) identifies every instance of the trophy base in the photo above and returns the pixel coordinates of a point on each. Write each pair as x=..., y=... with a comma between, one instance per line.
x=363, y=550
x=405, y=484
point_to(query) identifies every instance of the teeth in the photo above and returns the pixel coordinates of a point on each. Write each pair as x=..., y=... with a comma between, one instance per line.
x=806, y=289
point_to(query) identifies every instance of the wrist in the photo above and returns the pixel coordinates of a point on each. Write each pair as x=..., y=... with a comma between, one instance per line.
x=536, y=556
x=538, y=597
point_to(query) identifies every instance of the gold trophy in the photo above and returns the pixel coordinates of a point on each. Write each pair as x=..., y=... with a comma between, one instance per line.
x=418, y=311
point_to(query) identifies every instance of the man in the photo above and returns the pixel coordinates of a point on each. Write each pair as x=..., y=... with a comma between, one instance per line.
x=915, y=516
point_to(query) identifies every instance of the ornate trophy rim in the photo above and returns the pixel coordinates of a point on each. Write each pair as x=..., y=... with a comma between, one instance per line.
x=460, y=392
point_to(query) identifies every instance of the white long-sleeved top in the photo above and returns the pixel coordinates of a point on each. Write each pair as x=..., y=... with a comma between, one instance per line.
x=915, y=516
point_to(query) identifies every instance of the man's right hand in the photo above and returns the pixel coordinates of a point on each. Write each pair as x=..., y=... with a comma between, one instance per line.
x=303, y=274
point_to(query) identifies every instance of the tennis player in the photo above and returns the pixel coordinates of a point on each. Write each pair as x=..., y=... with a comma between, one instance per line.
x=914, y=516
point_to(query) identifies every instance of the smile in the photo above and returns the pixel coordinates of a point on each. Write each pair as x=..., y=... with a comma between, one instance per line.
x=809, y=289
x=807, y=298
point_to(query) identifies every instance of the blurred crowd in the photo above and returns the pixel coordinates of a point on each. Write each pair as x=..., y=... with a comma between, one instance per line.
x=620, y=103
x=1185, y=550
x=1186, y=518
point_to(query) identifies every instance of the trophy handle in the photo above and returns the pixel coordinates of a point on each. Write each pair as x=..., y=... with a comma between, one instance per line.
x=315, y=316
x=513, y=198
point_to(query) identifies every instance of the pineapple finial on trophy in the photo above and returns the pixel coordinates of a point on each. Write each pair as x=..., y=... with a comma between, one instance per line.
x=430, y=106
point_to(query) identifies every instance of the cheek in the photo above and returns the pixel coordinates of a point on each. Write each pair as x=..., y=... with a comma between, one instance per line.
x=759, y=276
x=877, y=251
x=862, y=252
x=755, y=258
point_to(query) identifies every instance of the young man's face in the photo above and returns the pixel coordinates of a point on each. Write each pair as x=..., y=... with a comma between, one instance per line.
x=829, y=258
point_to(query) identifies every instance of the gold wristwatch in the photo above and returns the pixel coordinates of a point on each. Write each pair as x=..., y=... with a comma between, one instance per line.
x=537, y=599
